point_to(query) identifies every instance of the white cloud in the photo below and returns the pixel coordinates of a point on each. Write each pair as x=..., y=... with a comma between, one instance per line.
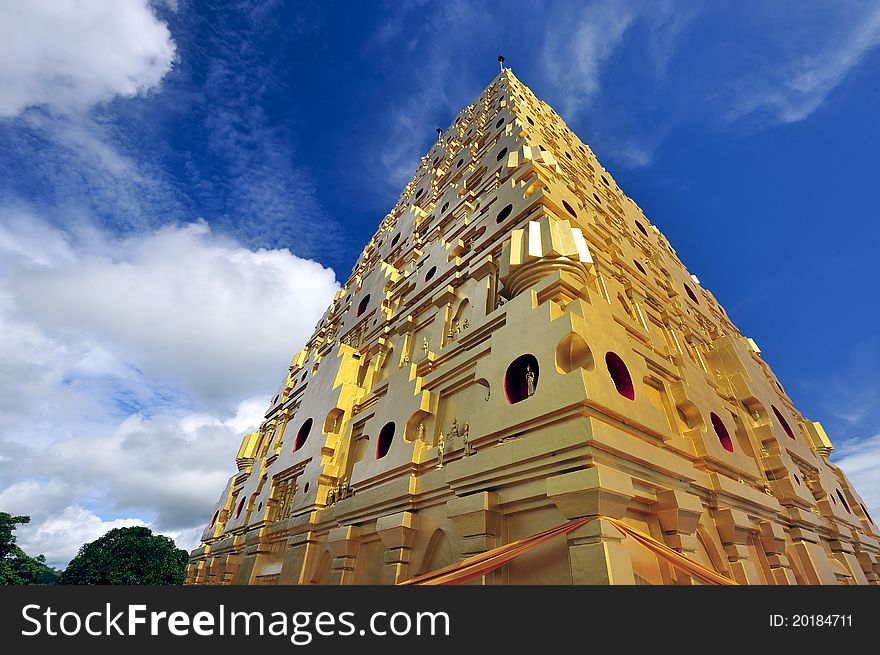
x=860, y=460
x=60, y=536
x=573, y=56
x=130, y=369
x=794, y=90
x=181, y=304
x=72, y=54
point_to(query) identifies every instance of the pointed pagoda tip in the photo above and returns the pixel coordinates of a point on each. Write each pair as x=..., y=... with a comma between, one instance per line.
x=501, y=61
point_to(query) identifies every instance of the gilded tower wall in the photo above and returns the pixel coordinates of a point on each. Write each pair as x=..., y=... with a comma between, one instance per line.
x=518, y=346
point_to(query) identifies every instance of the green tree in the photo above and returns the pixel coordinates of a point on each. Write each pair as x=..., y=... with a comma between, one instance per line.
x=16, y=566
x=128, y=556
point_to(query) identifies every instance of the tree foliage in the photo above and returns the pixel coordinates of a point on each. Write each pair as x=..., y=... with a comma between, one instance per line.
x=16, y=566
x=128, y=556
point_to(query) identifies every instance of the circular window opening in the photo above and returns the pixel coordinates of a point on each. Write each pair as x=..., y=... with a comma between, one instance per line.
x=363, y=305
x=641, y=228
x=504, y=213
x=499, y=123
x=783, y=422
x=620, y=376
x=444, y=207
x=214, y=519
x=843, y=500
x=521, y=379
x=501, y=154
x=691, y=294
x=569, y=209
x=240, y=507
x=395, y=239
x=640, y=267
x=302, y=435
x=721, y=431
x=431, y=273
x=386, y=436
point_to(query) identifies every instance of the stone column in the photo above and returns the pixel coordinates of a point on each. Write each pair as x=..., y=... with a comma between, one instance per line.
x=596, y=552
x=812, y=557
x=735, y=529
x=845, y=552
x=773, y=542
x=344, y=543
x=477, y=519
x=397, y=532
x=679, y=515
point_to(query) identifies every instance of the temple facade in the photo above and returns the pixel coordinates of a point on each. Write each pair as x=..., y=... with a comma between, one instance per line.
x=518, y=346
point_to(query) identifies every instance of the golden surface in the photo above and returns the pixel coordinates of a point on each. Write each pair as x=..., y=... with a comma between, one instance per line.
x=393, y=447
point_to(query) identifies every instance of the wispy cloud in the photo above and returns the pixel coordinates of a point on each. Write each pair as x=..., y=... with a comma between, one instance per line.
x=791, y=91
x=575, y=51
x=860, y=460
x=437, y=37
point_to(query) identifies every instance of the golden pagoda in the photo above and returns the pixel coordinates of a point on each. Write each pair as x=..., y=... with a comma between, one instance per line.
x=521, y=380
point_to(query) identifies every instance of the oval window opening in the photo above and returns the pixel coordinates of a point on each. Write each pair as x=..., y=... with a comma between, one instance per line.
x=501, y=154
x=521, y=379
x=640, y=267
x=363, y=305
x=691, y=294
x=504, y=213
x=214, y=519
x=641, y=228
x=302, y=435
x=419, y=194
x=460, y=162
x=529, y=119
x=430, y=273
x=783, y=422
x=240, y=507
x=395, y=239
x=843, y=500
x=386, y=436
x=444, y=207
x=620, y=376
x=499, y=123
x=721, y=431
x=569, y=209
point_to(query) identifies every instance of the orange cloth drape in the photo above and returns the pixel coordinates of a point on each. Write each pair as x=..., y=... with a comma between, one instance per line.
x=479, y=565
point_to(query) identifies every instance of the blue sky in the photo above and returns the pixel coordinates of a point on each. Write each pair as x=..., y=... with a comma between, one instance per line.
x=183, y=183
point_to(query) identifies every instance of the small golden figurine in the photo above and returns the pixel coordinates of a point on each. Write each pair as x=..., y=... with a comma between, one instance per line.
x=468, y=446
x=530, y=380
x=441, y=450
